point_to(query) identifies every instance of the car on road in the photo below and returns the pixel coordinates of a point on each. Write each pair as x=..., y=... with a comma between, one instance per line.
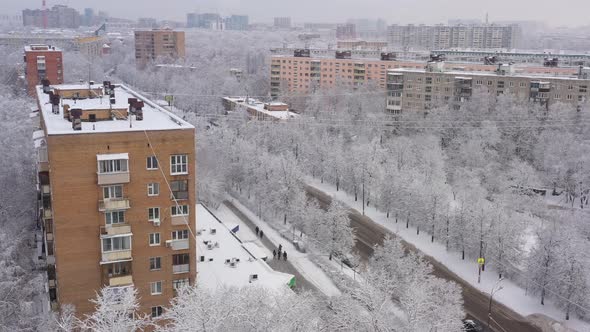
x=472, y=326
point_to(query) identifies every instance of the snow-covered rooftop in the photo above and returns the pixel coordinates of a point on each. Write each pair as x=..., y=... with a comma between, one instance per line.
x=258, y=106
x=155, y=117
x=41, y=48
x=223, y=261
x=487, y=74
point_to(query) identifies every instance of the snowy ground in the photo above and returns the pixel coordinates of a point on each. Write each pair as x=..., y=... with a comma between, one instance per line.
x=308, y=269
x=511, y=295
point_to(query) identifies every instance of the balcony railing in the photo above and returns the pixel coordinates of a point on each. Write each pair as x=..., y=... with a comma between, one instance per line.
x=115, y=229
x=113, y=204
x=112, y=256
x=113, y=178
x=120, y=280
x=185, y=268
x=177, y=244
x=180, y=220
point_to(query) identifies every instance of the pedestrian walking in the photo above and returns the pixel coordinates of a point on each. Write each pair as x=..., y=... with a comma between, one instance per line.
x=257, y=229
x=285, y=255
x=261, y=234
x=280, y=247
x=279, y=254
x=274, y=254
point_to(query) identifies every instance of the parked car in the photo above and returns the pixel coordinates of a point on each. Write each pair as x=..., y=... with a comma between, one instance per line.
x=472, y=326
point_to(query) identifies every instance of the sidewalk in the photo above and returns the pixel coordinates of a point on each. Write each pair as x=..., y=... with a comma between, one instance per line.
x=297, y=263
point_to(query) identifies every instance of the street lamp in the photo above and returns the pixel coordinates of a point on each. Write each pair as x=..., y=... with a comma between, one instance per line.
x=497, y=287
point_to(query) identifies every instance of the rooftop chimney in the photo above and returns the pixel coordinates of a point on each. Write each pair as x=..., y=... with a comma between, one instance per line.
x=75, y=115
x=45, y=82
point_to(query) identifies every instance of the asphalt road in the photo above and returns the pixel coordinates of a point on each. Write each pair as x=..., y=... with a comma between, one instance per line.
x=301, y=284
x=369, y=234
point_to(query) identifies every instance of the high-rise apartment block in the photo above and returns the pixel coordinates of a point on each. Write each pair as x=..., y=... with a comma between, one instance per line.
x=431, y=37
x=151, y=44
x=59, y=16
x=302, y=74
x=42, y=62
x=346, y=31
x=237, y=22
x=282, y=22
x=117, y=195
x=418, y=90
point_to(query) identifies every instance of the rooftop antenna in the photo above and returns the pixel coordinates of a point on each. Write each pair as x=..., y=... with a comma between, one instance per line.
x=487, y=21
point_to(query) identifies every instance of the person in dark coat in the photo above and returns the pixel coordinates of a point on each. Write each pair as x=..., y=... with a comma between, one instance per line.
x=279, y=254
x=261, y=234
x=285, y=255
x=274, y=254
x=257, y=230
x=280, y=247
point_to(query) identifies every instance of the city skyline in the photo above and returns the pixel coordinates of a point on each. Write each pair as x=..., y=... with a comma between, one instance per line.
x=403, y=11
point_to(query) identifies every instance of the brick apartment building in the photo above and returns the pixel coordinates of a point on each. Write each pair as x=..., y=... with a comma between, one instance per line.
x=302, y=74
x=418, y=90
x=117, y=195
x=42, y=62
x=152, y=44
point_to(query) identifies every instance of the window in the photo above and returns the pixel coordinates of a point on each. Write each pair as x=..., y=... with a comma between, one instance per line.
x=112, y=192
x=112, y=166
x=179, y=210
x=116, y=243
x=156, y=287
x=152, y=162
x=155, y=263
x=179, y=189
x=118, y=269
x=179, y=164
x=179, y=283
x=154, y=239
x=154, y=214
x=153, y=189
x=157, y=311
x=180, y=234
x=180, y=259
x=115, y=217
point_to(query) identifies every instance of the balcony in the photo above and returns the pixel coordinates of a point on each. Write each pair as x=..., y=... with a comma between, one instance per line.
x=113, y=204
x=179, y=220
x=47, y=213
x=45, y=189
x=113, y=178
x=184, y=268
x=121, y=280
x=177, y=244
x=115, y=229
x=113, y=256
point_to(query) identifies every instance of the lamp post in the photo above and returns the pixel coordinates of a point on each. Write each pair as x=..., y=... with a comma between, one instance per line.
x=497, y=287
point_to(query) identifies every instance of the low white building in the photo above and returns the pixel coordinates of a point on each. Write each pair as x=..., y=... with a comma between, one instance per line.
x=224, y=261
x=277, y=111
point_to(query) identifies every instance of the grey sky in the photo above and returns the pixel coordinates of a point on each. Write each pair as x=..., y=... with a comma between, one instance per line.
x=568, y=12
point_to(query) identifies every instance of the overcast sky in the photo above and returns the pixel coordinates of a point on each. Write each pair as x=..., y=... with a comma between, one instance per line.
x=565, y=12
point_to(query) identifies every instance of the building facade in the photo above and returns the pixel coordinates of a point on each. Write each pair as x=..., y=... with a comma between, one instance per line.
x=151, y=44
x=303, y=74
x=361, y=45
x=42, y=62
x=237, y=22
x=432, y=37
x=412, y=90
x=346, y=31
x=59, y=16
x=117, y=190
x=282, y=22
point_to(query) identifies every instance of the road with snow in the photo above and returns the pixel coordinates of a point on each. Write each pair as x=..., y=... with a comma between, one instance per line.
x=476, y=303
